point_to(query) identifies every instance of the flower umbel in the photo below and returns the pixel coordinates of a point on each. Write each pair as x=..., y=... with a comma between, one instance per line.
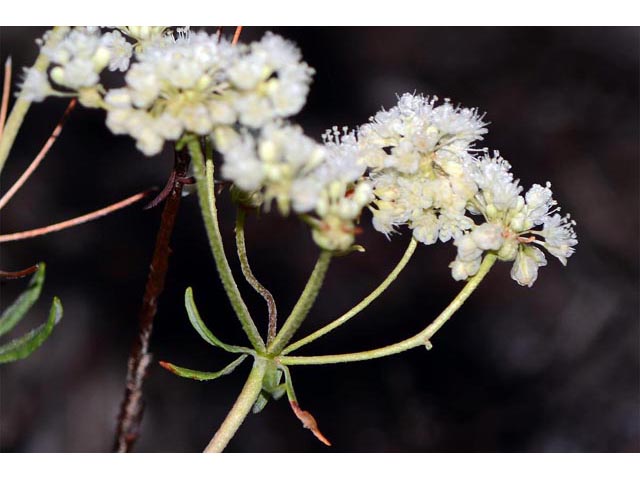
x=419, y=156
x=514, y=224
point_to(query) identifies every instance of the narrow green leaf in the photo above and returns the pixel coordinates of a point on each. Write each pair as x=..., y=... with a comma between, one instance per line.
x=198, y=375
x=17, y=310
x=260, y=402
x=23, y=347
x=201, y=328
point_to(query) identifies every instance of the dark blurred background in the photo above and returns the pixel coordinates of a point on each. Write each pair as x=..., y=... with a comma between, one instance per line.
x=551, y=368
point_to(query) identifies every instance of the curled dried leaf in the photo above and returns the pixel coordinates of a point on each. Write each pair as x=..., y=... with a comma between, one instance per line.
x=308, y=421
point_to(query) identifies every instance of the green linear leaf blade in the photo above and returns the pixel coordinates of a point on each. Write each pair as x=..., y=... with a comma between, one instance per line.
x=202, y=376
x=23, y=347
x=17, y=310
x=201, y=328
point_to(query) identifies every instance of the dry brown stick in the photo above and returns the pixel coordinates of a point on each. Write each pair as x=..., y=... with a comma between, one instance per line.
x=56, y=227
x=131, y=409
x=6, y=88
x=36, y=161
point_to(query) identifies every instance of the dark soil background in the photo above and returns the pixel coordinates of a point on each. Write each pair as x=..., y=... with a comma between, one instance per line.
x=551, y=368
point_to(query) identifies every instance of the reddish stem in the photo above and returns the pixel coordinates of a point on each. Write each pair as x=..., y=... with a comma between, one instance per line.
x=37, y=232
x=6, y=89
x=236, y=35
x=19, y=274
x=43, y=152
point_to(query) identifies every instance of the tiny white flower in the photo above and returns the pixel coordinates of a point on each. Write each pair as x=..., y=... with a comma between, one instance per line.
x=461, y=270
x=121, y=50
x=149, y=142
x=539, y=202
x=525, y=267
x=35, y=86
x=559, y=237
x=467, y=248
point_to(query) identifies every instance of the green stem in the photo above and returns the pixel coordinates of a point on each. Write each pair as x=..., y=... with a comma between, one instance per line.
x=420, y=339
x=288, y=384
x=303, y=305
x=240, y=409
x=207, y=198
x=20, y=108
x=250, y=277
x=360, y=306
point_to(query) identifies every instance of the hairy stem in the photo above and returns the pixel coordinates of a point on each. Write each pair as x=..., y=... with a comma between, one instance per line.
x=240, y=409
x=250, y=277
x=20, y=108
x=131, y=410
x=420, y=339
x=360, y=306
x=206, y=195
x=303, y=305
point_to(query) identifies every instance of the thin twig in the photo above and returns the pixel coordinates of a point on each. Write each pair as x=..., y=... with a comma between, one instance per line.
x=251, y=279
x=56, y=227
x=6, y=89
x=131, y=409
x=236, y=35
x=43, y=152
x=18, y=274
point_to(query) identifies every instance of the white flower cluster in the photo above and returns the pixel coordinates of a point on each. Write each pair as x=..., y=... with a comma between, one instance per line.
x=280, y=163
x=513, y=224
x=425, y=174
x=269, y=81
x=413, y=165
x=76, y=64
x=189, y=83
x=418, y=154
x=173, y=87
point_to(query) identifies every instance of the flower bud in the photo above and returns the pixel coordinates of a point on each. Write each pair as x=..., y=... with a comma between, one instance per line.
x=334, y=234
x=363, y=193
x=89, y=97
x=57, y=75
x=462, y=270
x=467, y=248
x=101, y=58
x=487, y=236
x=508, y=250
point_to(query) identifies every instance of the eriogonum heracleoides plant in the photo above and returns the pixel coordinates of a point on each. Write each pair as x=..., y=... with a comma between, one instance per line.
x=416, y=165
